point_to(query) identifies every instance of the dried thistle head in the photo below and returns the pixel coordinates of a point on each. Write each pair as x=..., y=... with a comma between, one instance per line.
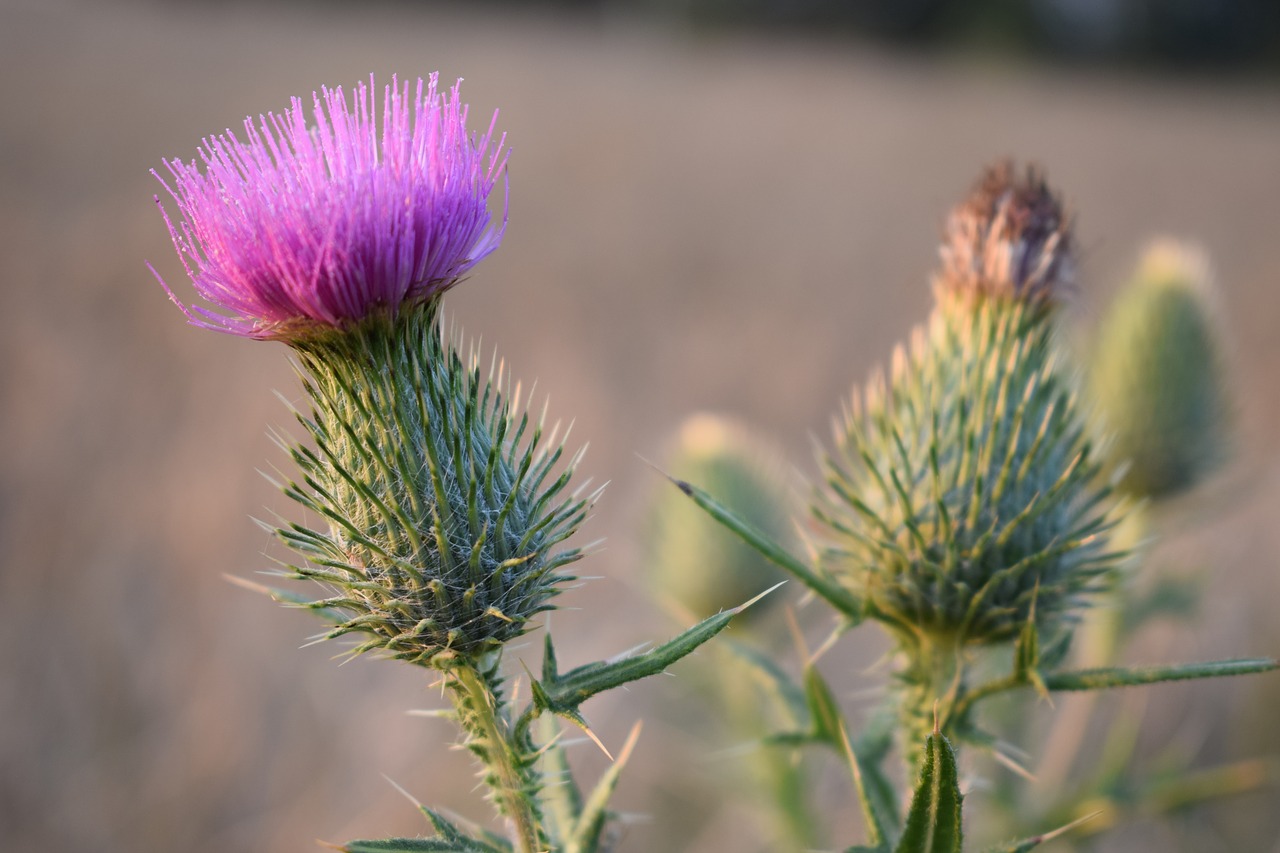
x=1010, y=238
x=962, y=495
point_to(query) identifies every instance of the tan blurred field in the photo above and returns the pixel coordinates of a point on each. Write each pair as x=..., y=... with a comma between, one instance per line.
x=737, y=224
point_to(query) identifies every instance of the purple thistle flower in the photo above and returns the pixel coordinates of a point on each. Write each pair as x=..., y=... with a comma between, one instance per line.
x=301, y=229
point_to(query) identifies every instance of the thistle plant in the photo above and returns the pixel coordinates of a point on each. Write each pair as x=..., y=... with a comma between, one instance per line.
x=965, y=503
x=442, y=506
x=966, y=507
x=962, y=498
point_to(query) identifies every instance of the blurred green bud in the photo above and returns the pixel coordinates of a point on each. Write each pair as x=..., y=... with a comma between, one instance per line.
x=962, y=495
x=442, y=503
x=1157, y=375
x=707, y=570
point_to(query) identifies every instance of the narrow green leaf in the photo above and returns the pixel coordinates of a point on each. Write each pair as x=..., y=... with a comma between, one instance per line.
x=407, y=845
x=875, y=824
x=1104, y=677
x=933, y=822
x=837, y=596
x=563, y=694
x=448, y=832
x=776, y=682
x=826, y=724
x=871, y=747
x=560, y=798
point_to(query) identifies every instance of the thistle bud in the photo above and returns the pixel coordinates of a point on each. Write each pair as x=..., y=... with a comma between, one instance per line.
x=707, y=571
x=963, y=493
x=444, y=505
x=1157, y=375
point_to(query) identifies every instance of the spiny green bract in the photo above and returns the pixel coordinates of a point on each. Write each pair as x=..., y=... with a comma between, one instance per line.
x=443, y=510
x=1158, y=376
x=963, y=490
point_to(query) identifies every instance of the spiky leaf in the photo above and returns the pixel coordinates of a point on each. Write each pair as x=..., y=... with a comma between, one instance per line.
x=933, y=822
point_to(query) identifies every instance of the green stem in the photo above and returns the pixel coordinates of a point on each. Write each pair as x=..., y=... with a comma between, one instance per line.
x=479, y=710
x=932, y=690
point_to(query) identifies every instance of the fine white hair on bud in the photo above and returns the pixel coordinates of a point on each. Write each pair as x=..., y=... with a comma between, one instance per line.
x=963, y=495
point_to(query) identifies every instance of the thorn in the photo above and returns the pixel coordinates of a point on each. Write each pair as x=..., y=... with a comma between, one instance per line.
x=1009, y=762
x=679, y=484
x=745, y=605
x=1062, y=830
x=936, y=730
x=407, y=795
x=797, y=636
x=627, y=747
x=598, y=742
x=431, y=713
x=248, y=584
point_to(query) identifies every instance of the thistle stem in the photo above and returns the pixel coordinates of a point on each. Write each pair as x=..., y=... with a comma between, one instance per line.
x=480, y=714
x=933, y=684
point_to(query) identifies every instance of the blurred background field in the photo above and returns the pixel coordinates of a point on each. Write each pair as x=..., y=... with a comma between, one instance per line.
x=718, y=207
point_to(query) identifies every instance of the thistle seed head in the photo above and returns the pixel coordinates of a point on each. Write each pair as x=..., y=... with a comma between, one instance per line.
x=445, y=504
x=1010, y=238
x=1158, y=378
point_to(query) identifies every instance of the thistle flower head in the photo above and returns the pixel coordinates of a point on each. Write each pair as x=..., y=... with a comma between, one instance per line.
x=1010, y=238
x=444, y=505
x=304, y=227
x=963, y=494
x=1158, y=377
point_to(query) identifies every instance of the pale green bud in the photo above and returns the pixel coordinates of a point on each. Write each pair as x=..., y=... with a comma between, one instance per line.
x=1158, y=378
x=708, y=570
x=963, y=492
x=443, y=512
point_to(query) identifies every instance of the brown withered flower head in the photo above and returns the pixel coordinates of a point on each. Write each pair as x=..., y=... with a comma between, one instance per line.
x=1011, y=237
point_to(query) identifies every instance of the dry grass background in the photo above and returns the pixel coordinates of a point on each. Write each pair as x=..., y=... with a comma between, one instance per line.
x=738, y=224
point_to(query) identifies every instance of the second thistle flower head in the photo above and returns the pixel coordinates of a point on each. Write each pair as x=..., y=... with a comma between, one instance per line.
x=963, y=494
x=305, y=227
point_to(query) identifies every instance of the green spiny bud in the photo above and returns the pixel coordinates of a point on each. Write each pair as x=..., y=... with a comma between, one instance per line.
x=1157, y=375
x=963, y=493
x=443, y=510
x=707, y=571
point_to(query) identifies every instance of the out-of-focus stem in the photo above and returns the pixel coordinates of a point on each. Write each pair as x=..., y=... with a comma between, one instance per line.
x=1099, y=643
